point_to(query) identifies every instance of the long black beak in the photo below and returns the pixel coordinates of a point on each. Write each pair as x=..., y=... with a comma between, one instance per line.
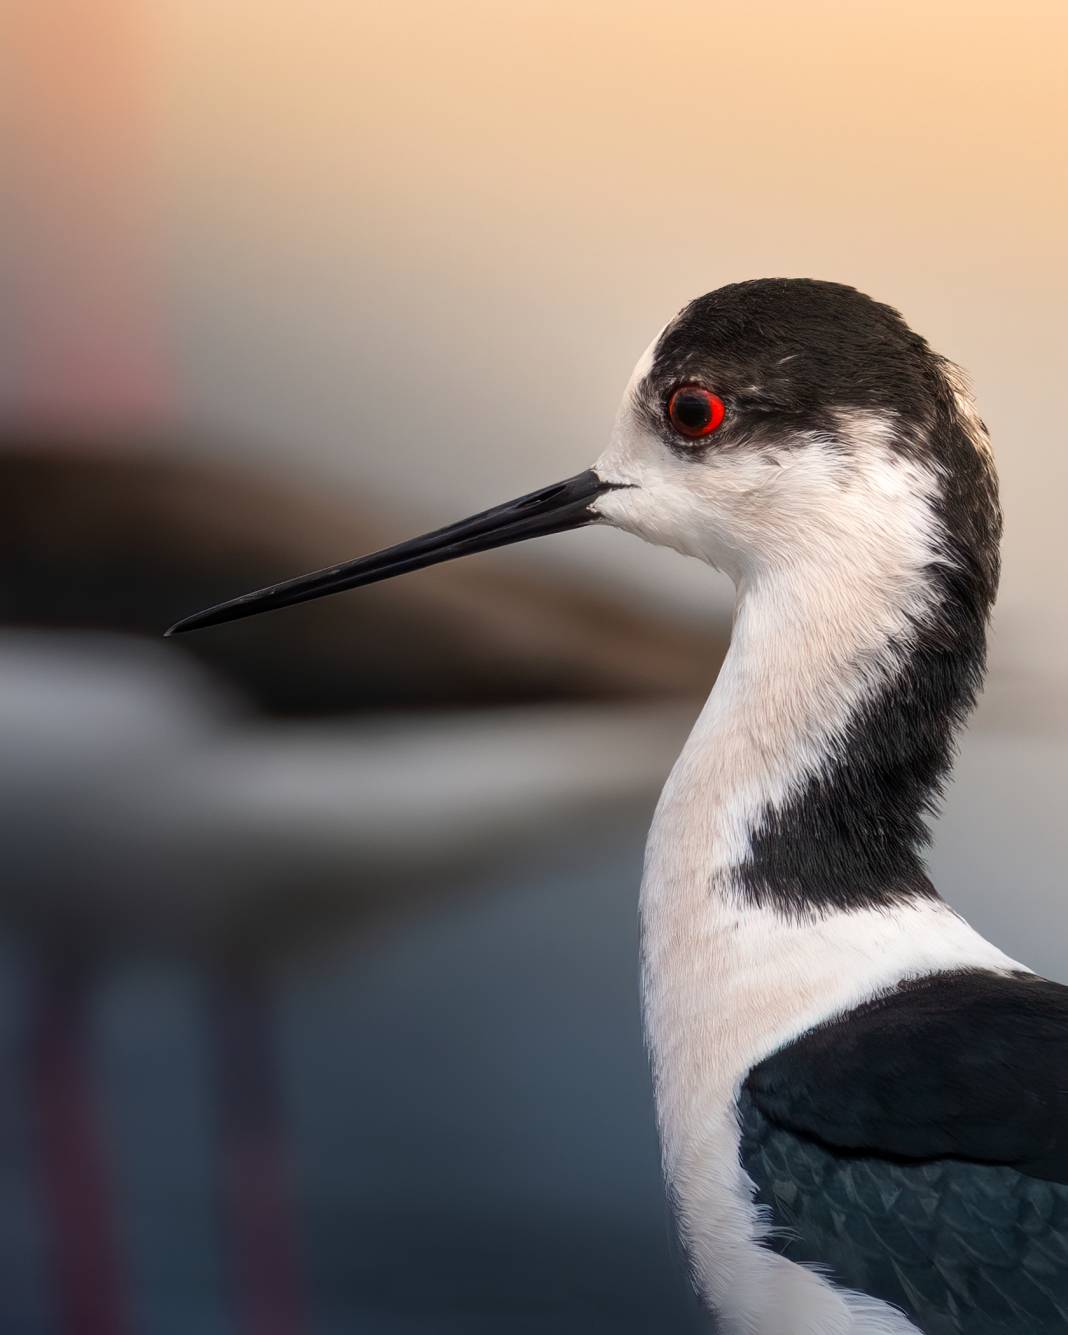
x=551, y=510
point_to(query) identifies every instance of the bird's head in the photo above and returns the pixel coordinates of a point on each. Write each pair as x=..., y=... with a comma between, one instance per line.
x=787, y=423
x=773, y=425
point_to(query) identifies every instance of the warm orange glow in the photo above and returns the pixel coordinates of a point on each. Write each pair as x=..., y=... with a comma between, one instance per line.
x=83, y=124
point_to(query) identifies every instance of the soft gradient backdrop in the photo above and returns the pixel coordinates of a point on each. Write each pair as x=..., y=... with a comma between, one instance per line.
x=283, y=280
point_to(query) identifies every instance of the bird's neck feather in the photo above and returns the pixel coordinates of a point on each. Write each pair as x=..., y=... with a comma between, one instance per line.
x=783, y=882
x=783, y=878
x=808, y=779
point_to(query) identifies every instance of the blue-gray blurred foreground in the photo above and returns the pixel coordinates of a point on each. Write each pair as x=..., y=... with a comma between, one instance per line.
x=326, y=1021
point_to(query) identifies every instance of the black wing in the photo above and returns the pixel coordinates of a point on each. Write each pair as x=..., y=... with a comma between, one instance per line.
x=971, y=1064
x=918, y=1148
x=961, y=1248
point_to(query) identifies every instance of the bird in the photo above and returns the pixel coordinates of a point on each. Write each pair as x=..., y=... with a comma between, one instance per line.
x=862, y=1103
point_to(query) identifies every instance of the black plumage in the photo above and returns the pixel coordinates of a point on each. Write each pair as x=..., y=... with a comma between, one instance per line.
x=961, y=1248
x=918, y=1146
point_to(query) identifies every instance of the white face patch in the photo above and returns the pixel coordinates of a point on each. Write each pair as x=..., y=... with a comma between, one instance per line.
x=749, y=510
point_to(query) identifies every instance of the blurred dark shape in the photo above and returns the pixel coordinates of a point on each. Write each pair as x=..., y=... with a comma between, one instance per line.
x=324, y=1023
x=142, y=810
x=130, y=536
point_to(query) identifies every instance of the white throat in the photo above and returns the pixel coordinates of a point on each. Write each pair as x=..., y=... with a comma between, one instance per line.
x=808, y=647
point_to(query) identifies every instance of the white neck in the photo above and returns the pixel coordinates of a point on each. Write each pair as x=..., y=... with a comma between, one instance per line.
x=800, y=664
x=726, y=982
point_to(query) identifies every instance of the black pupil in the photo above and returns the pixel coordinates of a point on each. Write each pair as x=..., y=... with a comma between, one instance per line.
x=692, y=410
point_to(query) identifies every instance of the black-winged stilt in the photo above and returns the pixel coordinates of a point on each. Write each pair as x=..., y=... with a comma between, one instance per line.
x=863, y=1104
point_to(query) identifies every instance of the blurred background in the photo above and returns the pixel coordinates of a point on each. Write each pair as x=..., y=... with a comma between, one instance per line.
x=318, y=978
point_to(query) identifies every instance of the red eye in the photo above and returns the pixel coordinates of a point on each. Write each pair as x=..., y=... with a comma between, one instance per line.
x=695, y=412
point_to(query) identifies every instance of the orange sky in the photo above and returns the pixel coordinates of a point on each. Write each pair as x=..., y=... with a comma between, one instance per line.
x=642, y=148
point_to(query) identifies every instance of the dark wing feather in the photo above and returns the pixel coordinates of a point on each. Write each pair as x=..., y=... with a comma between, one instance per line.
x=918, y=1147
x=961, y=1248
x=971, y=1064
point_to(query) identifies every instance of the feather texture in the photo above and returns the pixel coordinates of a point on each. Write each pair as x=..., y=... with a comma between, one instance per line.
x=961, y=1248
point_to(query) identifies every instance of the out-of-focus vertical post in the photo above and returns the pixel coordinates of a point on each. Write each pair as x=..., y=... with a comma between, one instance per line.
x=73, y=1172
x=257, y=1172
